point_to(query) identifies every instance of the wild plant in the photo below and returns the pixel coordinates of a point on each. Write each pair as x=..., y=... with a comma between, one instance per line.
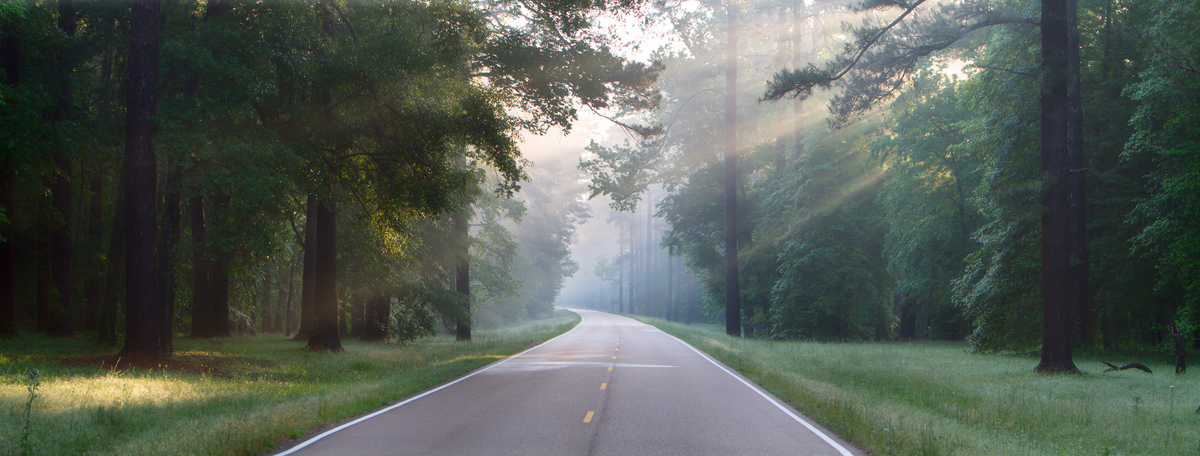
x=32, y=382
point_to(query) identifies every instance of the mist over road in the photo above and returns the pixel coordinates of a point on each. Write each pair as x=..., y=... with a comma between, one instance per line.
x=610, y=386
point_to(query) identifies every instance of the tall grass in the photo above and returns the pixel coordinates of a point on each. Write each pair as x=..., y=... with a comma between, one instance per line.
x=275, y=390
x=935, y=398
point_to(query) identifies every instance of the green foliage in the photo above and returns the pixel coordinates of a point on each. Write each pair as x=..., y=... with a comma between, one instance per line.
x=411, y=319
x=930, y=215
x=832, y=282
x=1165, y=132
x=998, y=289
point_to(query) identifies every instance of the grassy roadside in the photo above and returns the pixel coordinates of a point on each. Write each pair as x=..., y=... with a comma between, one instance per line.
x=934, y=398
x=264, y=390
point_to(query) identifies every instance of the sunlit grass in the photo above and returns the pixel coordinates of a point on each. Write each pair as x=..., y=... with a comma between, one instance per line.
x=274, y=390
x=935, y=398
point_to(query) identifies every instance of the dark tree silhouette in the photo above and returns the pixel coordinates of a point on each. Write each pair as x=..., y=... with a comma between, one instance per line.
x=142, y=304
x=733, y=310
x=325, y=326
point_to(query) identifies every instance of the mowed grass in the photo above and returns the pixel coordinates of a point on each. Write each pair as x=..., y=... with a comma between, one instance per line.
x=270, y=390
x=932, y=398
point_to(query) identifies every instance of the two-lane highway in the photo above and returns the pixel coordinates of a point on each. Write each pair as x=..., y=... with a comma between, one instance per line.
x=610, y=386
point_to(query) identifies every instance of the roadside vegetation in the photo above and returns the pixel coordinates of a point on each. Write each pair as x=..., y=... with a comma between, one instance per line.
x=257, y=392
x=936, y=398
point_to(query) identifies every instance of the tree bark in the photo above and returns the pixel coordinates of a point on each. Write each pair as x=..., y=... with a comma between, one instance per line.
x=44, y=282
x=201, y=272
x=1082, y=302
x=358, y=314
x=634, y=263
x=220, y=294
x=670, y=286
x=60, y=323
x=142, y=305
x=94, y=283
x=691, y=299
x=1059, y=294
x=733, y=311
x=287, y=312
x=10, y=51
x=375, y=324
x=168, y=249
x=620, y=281
x=268, y=314
x=8, y=282
x=462, y=274
x=1180, y=350
x=325, y=309
x=309, y=273
x=113, y=277
x=649, y=272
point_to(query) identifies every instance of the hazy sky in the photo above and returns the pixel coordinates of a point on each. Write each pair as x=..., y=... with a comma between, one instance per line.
x=561, y=153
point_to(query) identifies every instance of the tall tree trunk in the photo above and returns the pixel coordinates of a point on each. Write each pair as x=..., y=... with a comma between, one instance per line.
x=649, y=272
x=142, y=305
x=691, y=300
x=93, y=286
x=733, y=311
x=220, y=294
x=376, y=319
x=1180, y=350
x=113, y=273
x=1059, y=293
x=670, y=286
x=60, y=323
x=8, y=270
x=43, y=282
x=1082, y=301
x=635, y=262
x=287, y=312
x=10, y=58
x=268, y=314
x=168, y=249
x=308, y=285
x=201, y=272
x=462, y=274
x=358, y=314
x=325, y=306
x=620, y=281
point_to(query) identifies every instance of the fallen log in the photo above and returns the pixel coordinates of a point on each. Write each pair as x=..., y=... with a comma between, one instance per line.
x=1139, y=366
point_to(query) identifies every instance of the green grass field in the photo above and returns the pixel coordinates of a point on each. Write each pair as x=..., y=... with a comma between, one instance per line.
x=263, y=390
x=935, y=398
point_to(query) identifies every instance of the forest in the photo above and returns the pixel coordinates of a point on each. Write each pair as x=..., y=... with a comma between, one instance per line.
x=198, y=169
x=891, y=170
x=1002, y=172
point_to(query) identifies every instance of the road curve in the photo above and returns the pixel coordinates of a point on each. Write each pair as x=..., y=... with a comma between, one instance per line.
x=610, y=386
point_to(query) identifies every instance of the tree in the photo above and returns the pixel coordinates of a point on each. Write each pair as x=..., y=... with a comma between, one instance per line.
x=733, y=311
x=881, y=67
x=142, y=299
x=325, y=309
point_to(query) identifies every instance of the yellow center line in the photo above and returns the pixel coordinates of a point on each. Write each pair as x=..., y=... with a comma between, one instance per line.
x=610, y=368
x=588, y=418
x=614, y=357
x=603, y=386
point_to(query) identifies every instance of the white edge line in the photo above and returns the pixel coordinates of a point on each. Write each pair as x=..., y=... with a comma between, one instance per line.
x=394, y=406
x=777, y=405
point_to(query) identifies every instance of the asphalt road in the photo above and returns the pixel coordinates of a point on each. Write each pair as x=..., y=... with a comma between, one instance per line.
x=610, y=386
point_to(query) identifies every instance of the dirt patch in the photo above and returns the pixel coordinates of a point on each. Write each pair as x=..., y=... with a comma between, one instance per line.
x=190, y=364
